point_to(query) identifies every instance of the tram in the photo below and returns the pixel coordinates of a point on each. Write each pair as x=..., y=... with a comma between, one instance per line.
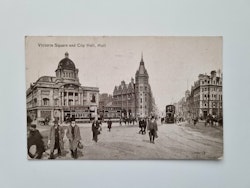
x=170, y=114
x=112, y=113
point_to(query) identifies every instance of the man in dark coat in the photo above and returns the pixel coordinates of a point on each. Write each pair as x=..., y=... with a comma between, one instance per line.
x=95, y=129
x=55, y=139
x=152, y=128
x=74, y=136
x=144, y=125
x=109, y=124
x=140, y=126
x=35, y=139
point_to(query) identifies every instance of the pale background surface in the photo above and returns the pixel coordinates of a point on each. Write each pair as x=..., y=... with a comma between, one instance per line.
x=230, y=19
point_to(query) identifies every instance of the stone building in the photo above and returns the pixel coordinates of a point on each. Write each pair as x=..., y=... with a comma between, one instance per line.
x=182, y=109
x=135, y=98
x=206, y=96
x=104, y=100
x=62, y=96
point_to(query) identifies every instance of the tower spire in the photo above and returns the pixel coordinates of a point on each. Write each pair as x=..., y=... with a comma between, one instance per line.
x=142, y=63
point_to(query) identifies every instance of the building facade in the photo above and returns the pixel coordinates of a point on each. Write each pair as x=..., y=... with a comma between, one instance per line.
x=182, y=107
x=206, y=96
x=62, y=96
x=135, y=98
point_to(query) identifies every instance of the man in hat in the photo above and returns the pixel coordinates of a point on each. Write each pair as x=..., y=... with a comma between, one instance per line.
x=55, y=139
x=74, y=136
x=109, y=124
x=152, y=128
x=96, y=127
x=35, y=143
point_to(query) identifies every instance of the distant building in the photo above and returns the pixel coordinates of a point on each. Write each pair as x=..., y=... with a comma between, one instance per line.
x=104, y=99
x=135, y=98
x=62, y=96
x=182, y=109
x=206, y=96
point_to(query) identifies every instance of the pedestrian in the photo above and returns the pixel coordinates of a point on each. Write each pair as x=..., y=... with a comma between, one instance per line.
x=152, y=128
x=55, y=139
x=120, y=121
x=162, y=120
x=144, y=125
x=140, y=126
x=109, y=124
x=74, y=136
x=96, y=129
x=35, y=141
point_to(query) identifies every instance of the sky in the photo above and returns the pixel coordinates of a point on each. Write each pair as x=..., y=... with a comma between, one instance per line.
x=173, y=63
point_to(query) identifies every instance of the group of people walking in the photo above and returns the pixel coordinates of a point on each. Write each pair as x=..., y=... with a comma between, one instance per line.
x=59, y=136
x=56, y=140
x=152, y=128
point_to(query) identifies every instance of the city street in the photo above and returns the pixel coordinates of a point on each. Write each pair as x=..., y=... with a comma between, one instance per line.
x=174, y=142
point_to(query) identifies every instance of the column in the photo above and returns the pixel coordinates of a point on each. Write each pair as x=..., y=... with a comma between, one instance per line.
x=73, y=98
x=62, y=116
x=38, y=113
x=52, y=114
x=67, y=98
x=79, y=98
x=62, y=98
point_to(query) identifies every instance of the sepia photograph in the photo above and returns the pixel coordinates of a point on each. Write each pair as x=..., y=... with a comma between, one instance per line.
x=124, y=97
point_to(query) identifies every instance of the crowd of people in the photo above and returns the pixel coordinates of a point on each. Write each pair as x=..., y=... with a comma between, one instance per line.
x=59, y=136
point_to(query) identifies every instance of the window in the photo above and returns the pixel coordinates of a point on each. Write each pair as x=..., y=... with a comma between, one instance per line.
x=45, y=102
x=70, y=102
x=56, y=102
x=35, y=101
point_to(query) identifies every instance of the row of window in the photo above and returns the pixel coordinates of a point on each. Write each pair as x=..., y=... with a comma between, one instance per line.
x=129, y=96
x=214, y=105
x=46, y=101
x=212, y=89
x=141, y=88
x=213, y=96
x=212, y=82
x=69, y=74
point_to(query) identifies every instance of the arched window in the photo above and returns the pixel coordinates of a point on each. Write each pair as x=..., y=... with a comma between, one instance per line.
x=45, y=102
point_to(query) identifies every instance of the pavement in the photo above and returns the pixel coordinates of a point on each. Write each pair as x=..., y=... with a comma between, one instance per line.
x=182, y=141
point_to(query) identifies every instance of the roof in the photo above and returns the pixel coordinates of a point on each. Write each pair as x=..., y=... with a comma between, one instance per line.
x=66, y=63
x=49, y=79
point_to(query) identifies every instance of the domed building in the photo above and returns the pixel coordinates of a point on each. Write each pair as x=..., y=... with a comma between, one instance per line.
x=62, y=96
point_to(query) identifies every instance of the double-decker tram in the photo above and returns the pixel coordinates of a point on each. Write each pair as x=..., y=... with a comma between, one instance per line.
x=170, y=111
x=80, y=114
x=112, y=113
